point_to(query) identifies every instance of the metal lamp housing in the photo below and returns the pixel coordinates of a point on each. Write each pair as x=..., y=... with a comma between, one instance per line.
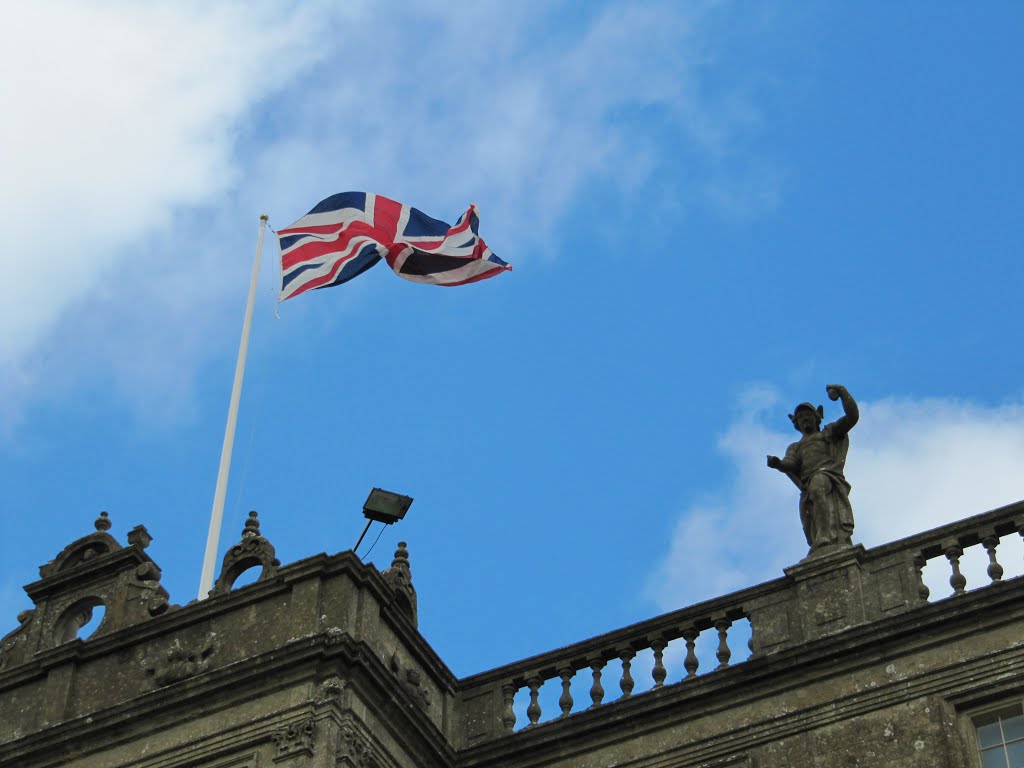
x=385, y=506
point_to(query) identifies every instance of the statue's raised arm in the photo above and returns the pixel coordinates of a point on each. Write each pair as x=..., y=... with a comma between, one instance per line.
x=815, y=465
x=851, y=413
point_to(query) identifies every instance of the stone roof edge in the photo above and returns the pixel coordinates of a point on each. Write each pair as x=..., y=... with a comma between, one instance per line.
x=197, y=611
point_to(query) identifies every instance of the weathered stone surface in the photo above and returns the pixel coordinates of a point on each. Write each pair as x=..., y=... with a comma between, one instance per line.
x=319, y=664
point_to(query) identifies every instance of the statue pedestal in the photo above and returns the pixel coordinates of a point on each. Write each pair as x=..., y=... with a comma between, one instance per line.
x=829, y=592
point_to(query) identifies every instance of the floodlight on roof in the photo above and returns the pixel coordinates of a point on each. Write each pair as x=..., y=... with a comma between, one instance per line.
x=385, y=507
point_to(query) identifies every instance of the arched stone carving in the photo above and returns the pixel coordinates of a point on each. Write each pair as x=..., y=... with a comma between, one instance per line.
x=76, y=616
x=91, y=572
x=84, y=550
x=252, y=551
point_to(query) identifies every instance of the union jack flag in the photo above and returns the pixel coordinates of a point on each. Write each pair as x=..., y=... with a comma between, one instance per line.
x=346, y=234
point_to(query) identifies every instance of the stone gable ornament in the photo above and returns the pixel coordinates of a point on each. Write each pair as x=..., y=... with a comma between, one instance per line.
x=252, y=551
x=815, y=465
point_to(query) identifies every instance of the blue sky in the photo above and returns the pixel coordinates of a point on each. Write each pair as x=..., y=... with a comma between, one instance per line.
x=713, y=210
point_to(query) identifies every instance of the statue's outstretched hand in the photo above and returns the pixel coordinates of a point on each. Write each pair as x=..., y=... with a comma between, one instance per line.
x=833, y=390
x=774, y=462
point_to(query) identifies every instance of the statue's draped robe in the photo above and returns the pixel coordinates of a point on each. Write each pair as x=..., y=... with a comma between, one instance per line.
x=823, y=453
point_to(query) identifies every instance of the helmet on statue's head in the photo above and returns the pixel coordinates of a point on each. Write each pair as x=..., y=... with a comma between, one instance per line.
x=818, y=413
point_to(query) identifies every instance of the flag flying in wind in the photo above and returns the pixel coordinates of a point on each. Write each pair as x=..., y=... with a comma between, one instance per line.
x=346, y=234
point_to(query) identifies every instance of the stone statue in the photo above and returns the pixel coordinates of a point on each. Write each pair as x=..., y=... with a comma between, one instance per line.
x=815, y=465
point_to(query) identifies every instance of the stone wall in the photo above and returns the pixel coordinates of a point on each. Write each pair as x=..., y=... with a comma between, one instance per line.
x=319, y=663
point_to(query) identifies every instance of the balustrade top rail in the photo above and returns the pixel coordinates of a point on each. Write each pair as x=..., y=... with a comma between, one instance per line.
x=966, y=532
x=669, y=626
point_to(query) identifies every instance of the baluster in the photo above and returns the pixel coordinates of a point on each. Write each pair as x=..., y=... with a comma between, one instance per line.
x=626, y=683
x=659, y=673
x=995, y=570
x=723, y=653
x=750, y=640
x=565, y=700
x=691, y=663
x=596, y=690
x=508, y=715
x=922, y=588
x=533, y=711
x=957, y=581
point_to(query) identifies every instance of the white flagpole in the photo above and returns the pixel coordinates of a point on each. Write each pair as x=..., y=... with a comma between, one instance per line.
x=213, y=538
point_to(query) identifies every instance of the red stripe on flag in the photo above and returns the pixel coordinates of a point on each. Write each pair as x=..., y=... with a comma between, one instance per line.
x=317, y=248
x=386, y=213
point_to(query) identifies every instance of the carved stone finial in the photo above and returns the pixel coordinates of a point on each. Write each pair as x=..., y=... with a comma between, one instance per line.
x=252, y=525
x=815, y=465
x=401, y=557
x=102, y=522
x=399, y=577
x=139, y=537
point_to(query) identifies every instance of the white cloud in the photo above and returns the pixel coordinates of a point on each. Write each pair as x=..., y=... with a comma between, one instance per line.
x=119, y=113
x=139, y=126
x=522, y=120
x=913, y=465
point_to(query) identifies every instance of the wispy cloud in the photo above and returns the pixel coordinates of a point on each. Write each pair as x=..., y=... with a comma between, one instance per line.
x=139, y=125
x=120, y=113
x=913, y=464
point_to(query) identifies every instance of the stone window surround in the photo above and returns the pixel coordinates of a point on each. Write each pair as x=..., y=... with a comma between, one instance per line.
x=969, y=728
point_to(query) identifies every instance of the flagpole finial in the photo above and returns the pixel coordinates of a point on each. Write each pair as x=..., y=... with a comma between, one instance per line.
x=264, y=218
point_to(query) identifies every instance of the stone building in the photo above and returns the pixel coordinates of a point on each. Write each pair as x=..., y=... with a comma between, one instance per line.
x=319, y=663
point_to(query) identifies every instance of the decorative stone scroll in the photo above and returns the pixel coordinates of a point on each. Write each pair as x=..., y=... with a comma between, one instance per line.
x=14, y=645
x=253, y=550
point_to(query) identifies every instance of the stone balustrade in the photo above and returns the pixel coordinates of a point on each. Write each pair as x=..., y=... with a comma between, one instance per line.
x=820, y=596
x=944, y=548
x=605, y=665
